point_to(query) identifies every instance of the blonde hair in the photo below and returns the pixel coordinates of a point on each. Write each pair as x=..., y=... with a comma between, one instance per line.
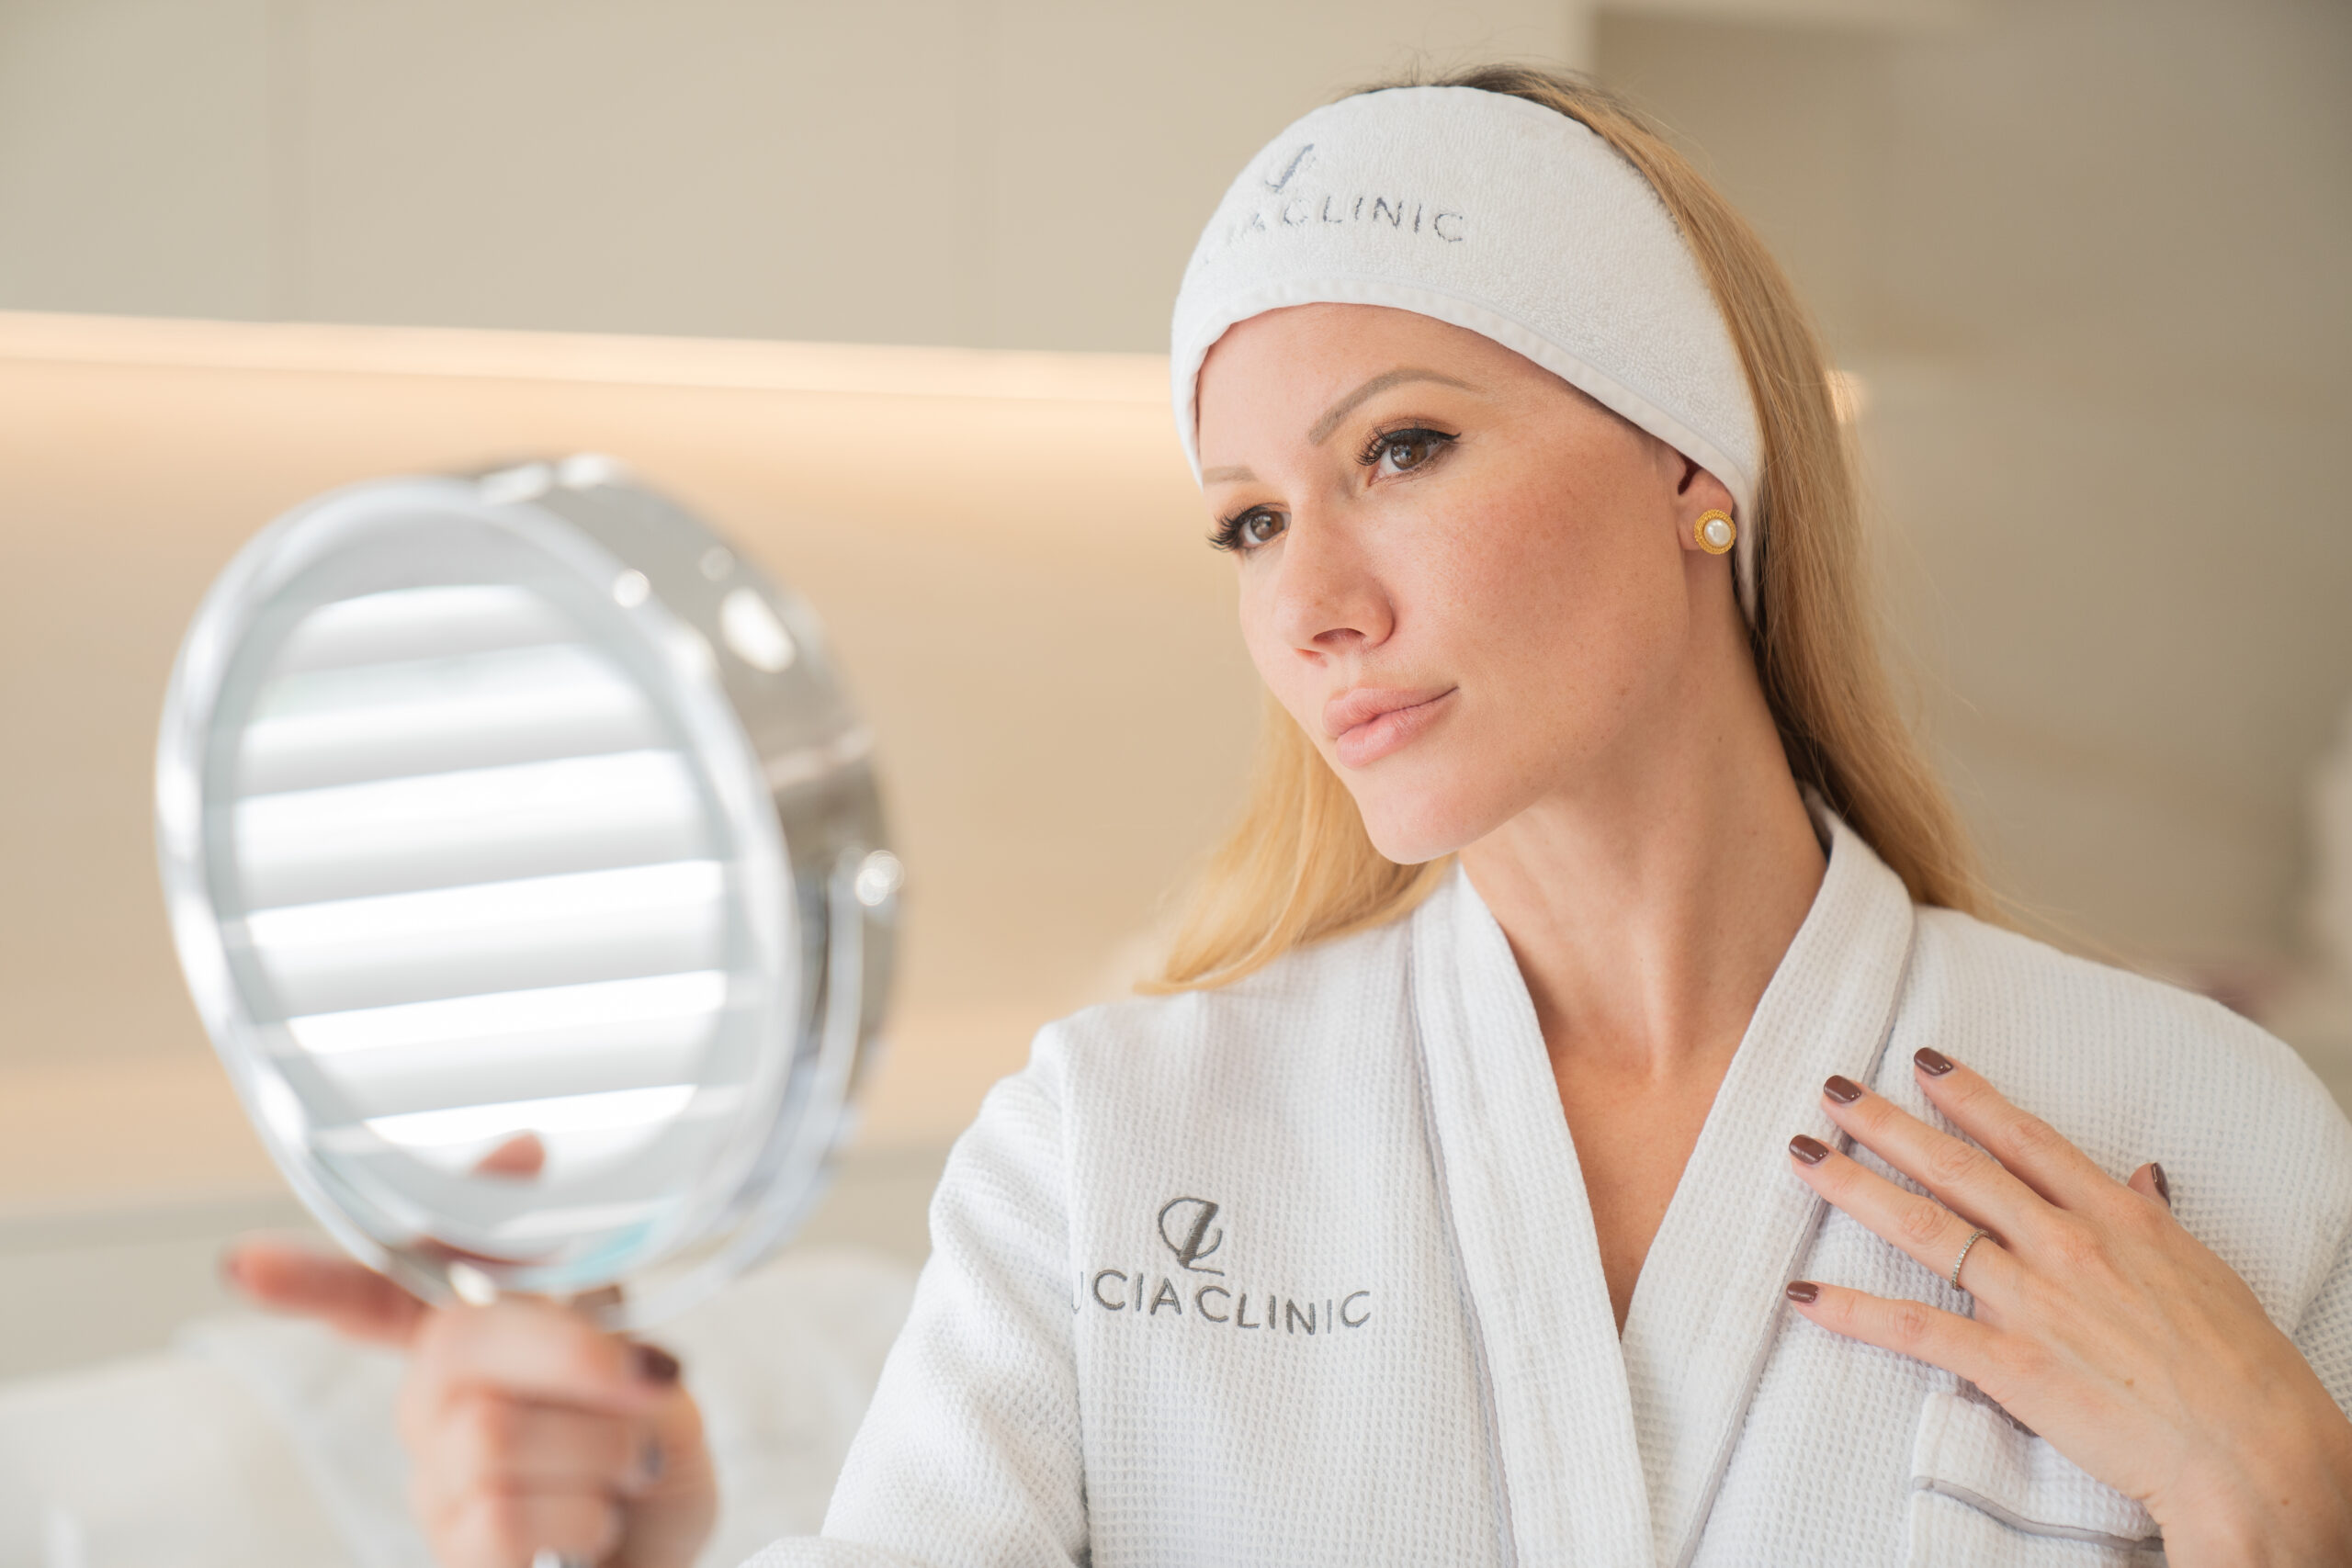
x=1299, y=866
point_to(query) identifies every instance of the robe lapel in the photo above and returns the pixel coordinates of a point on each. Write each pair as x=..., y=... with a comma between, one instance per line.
x=1566, y=1444
x=1709, y=1304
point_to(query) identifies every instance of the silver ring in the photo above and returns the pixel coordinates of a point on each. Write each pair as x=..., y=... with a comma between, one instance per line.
x=1974, y=1237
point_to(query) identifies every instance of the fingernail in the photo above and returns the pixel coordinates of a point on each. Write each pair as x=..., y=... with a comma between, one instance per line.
x=655, y=1365
x=2163, y=1188
x=1804, y=1292
x=1933, y=1063
x=1842, y=1089
x=1813, y=1151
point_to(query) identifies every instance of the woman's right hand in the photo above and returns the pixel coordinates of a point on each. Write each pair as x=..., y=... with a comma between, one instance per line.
x=529, y=1429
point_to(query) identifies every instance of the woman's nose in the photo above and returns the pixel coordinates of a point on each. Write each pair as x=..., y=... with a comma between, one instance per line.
x=1326, y=599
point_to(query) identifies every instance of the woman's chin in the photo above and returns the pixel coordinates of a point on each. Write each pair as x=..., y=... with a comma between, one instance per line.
x=1410, y=832
x=1429, y=801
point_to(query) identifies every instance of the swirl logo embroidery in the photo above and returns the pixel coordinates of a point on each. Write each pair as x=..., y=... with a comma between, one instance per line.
x=1185, y=1226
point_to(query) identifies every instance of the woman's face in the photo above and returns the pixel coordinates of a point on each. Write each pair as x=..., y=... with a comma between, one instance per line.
x=1472, y=586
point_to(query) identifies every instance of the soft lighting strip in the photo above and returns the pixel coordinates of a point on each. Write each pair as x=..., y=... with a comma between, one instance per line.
x=877, y=369
x=697, y=993
x=568, y=1114
x=488, y=906
x=400, y=623
x=558, y=698
x=620, y=789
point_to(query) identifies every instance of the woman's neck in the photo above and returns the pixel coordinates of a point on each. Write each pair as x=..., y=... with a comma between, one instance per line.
x=1649, y=907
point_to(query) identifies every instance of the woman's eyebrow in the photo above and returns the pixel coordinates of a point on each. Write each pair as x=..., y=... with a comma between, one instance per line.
x=1372, y=389
x=1236, y=474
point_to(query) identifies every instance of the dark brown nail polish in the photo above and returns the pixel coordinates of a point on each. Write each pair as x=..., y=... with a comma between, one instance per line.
x=2163, y=1188
x=1813, y=1151
x=655, y=1365
x=1842, y=1089
x=1804, y=1292
x=1933, y=1063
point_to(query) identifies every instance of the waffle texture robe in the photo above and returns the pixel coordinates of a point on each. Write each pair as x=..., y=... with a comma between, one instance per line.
x=1302, y=1272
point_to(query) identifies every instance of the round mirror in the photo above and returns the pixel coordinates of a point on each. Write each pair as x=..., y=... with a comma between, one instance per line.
x=523, y=857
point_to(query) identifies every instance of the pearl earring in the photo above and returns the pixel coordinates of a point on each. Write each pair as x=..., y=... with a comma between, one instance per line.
x=1715, y=531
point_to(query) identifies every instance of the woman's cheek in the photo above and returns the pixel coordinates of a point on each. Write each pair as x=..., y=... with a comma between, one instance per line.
x=1286, y=675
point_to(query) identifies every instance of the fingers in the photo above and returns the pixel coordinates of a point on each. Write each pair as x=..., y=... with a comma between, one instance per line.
x=2029, y=1148
x=287, y=1275
x=509, y=1530
x=673, y=1517
x=2149, y=1181
x=489, y=1442
x=1929, y=1232
x=538, y=1351
x=500, y=1481
x=1960, y=1174
x=1910, y=1328
x=521, y=1156
x=530, y=1430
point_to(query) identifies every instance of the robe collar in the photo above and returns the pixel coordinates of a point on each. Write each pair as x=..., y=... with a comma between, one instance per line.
x=1610, y=1451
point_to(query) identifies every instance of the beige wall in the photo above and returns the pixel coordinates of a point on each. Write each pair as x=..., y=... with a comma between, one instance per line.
x=998, y=173
x=2090, y=255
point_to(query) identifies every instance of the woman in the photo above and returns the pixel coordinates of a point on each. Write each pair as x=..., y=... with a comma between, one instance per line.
x=1585, y=1121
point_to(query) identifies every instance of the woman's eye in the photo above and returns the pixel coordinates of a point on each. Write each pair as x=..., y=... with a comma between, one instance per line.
x=1247, y=530
x=1402, y=451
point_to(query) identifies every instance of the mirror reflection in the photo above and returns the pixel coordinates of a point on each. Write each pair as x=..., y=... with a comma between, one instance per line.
x=535, y=972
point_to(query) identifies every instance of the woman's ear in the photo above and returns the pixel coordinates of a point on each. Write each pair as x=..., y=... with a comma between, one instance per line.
x=1697, y=493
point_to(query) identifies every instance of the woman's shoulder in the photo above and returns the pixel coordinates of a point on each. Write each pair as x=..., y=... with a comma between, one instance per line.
x=2132, y=1069
x=2065, y=1017
x=1280, y=1022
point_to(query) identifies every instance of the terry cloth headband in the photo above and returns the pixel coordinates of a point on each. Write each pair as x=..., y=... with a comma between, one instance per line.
x=1495, y=214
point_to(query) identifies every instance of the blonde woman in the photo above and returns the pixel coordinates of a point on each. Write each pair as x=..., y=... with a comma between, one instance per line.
x=1586, y=1119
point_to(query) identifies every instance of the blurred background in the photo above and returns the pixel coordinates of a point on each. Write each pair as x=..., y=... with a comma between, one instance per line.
x=881, y=291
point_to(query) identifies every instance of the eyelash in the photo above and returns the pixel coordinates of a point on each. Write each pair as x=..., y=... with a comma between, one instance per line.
x=1227, y=535
x=1382, y=440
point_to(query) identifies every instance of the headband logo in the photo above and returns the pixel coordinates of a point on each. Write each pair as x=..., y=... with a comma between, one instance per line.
x=1290, y=171
x=1306, y=211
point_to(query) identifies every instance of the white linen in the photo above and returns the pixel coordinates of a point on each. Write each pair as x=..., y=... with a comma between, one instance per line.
x=158, y=1461
x=1499, y=216
x=1427, y=1369
x=261, y=1442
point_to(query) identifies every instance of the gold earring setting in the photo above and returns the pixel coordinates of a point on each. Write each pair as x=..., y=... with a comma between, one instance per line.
x=1715, y=531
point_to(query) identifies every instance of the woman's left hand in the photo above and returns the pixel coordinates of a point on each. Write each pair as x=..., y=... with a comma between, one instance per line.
x=2101, y=1322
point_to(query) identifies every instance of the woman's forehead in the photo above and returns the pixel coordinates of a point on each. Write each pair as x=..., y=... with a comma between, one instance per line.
x=1337, y=332
x=1328, y=359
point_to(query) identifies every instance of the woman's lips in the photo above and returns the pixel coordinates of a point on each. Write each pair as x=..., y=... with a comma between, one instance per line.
x=1370, y=722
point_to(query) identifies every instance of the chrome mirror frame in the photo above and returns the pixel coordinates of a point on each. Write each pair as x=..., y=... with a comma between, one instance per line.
x=740, y=667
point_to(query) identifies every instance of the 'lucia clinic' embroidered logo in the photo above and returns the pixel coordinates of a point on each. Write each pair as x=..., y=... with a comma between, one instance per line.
x=1297, y=206
x=1187, y=1227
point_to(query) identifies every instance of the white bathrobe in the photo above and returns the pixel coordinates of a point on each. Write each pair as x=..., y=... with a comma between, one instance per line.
x=1302, y=1272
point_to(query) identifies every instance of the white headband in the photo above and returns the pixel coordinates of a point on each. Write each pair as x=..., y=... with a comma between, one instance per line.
x=1495, y=214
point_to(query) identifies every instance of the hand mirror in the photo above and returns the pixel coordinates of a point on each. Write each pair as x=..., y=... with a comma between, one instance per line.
x=523, y=857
